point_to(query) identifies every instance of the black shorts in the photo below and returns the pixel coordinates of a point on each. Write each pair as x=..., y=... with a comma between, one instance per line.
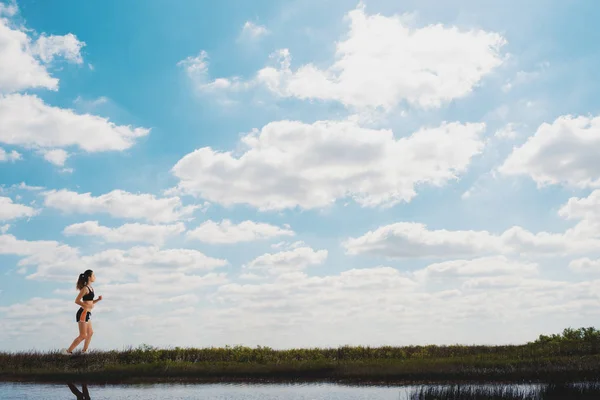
x=83, y=316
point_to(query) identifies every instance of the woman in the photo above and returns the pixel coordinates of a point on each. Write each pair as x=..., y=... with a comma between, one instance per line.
x=85, y=299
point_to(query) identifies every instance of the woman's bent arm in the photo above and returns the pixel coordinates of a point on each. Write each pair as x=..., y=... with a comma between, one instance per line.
x=78, y=301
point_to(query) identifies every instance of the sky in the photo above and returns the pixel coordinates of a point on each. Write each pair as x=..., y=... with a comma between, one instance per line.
x=299, y=173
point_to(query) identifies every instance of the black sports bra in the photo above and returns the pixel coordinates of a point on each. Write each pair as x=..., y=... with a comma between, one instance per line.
x=89, y=296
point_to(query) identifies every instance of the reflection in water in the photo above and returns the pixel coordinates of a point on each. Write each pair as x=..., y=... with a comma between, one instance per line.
x=81, y=395
x=301, y=391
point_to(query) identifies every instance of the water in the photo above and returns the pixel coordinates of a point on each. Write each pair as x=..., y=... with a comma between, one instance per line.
x=20, y=391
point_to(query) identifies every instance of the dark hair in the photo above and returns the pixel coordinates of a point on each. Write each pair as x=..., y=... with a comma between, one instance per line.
x=83, y=279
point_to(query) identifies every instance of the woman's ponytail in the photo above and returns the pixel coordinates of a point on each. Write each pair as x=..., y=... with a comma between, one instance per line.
x=84, y=279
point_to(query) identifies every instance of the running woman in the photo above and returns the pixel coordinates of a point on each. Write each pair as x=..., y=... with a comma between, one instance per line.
x=85, y=299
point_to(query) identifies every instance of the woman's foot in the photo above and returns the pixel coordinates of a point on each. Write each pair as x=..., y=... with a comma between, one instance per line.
x=84, y=352
x=67, y=352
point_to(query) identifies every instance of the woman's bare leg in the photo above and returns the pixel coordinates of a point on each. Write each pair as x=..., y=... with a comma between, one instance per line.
x=82, y=336
x=88, y=336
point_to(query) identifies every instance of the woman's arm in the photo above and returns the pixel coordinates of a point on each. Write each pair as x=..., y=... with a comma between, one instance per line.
x=82, y=293
x=98, y=299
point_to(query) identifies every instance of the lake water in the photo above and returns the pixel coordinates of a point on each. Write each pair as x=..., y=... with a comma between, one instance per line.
x=20, y=391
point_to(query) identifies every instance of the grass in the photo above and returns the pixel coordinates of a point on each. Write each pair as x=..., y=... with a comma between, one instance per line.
x=587, y=391
x=572, y=356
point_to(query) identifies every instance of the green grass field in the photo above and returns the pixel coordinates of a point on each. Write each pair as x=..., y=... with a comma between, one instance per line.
x=571, y=356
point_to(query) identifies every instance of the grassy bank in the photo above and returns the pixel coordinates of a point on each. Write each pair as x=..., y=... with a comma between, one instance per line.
x=571, y=356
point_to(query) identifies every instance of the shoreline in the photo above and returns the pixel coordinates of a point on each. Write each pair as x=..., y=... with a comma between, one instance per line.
x=574, y=357
x=400, y=373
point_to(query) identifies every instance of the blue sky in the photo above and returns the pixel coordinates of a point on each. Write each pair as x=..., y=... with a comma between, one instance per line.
x=299, y=173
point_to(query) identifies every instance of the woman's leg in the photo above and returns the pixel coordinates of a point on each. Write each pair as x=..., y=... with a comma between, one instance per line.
x=82, y=335
x=88, y=336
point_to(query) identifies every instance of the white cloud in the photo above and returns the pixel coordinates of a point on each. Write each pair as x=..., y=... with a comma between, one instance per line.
x=361, y=306
x=228, y=232
x=380, y=63
x=12, y=156
x=414, y=240
x=506, y=132
x=10, y=210
x=564, y=152
x=585, y=266
x=34, y=306
x=25, y=186
x=120, y=204
x=163, y=282
x=90, y=105
x=304, y=292
x=37, y=251
x=136, y=232
x=67, y=46
x=56, y=156
x=410, y=239
x=21, y=58
x=4, y=228
x=29, y=122
x=8, y=10
x=383, y=61
x=195, y=66
x=19, y=69
x=252, y=31
x=479, y=267
x=161, y=275
x=148, y=263
x=287, y=261
x=524, y=77
x=586, y=208
x=291, y=164
x=288, y=245
x=196, y=69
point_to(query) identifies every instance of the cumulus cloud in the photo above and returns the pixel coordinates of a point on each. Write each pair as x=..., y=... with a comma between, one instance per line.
x=56, y=156
x=35, y=251
x=58, y=262
x=136, y=232
x=42, y=126
x=291, y=164
x=586, y=208
x=380, y=63
x=563, y=152
x=363, y=305
x=252, y=31
x=120, y=204
x=227, y=232
x=34, y=306
x=67, y=46
x=585, y=266
x=9, y=156
x=506, y=132
x=415, y=240
x=23, y=59
x=24, y=186
x=479, y=267
x=31, y=123
x=10, y=210
x=196, y=68
x=287, y=261
x=8, y=9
